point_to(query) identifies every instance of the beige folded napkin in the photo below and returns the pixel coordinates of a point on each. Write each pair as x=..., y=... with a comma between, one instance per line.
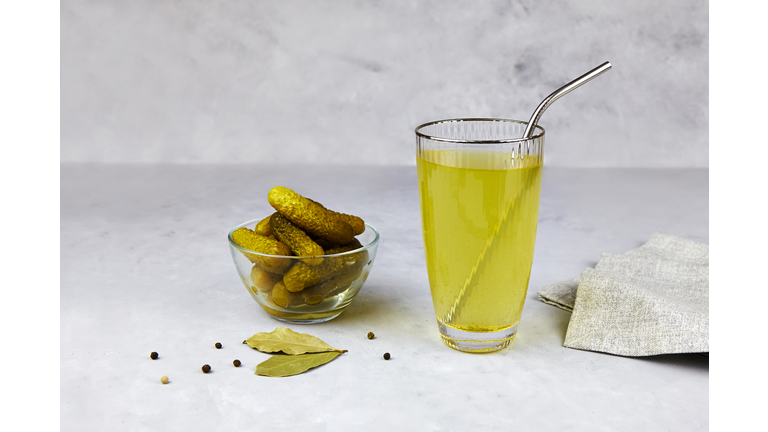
x=648, y=301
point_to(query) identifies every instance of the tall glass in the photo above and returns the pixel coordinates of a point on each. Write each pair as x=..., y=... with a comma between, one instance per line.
x=479, y=187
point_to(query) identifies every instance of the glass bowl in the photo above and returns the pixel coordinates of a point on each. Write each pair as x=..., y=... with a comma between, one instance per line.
x=331, y=285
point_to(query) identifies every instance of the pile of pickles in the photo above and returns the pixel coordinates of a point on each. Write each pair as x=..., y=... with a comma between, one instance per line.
x=305, y=229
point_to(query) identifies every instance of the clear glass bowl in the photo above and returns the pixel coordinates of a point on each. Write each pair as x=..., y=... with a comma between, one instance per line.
x=334, y=282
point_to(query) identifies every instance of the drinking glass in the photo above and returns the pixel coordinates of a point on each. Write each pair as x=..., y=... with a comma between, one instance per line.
x=479, y=188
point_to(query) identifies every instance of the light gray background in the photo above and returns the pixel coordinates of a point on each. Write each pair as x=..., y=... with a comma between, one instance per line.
x=346, y=82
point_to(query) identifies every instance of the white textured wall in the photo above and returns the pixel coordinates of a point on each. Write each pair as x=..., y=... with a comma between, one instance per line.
x=346, y=82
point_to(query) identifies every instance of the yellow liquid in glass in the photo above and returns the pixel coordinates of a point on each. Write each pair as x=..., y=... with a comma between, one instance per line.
x=479, y=213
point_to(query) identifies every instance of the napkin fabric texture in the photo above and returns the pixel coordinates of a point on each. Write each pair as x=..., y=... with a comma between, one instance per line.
x=649, y=301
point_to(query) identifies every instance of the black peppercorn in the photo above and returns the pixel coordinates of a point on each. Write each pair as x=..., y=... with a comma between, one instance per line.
x=370, y=335
x=218, y=345
x=236, y=363
x=386, y=356
x=153, y=356
x=206, y=368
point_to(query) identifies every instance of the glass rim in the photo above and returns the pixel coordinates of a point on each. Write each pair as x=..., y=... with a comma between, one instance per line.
x=460, y=141
x=295, y=257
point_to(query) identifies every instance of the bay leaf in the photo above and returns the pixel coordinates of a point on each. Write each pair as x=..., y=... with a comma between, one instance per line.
x=288, y=341
x=287, y=365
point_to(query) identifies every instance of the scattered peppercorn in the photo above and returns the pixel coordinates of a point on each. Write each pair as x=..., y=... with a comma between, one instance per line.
x=236, y=363
x=153, y=356
x=206, y=368
x=164, y=380
x=386, y=356
x=370, y=335
x=218, y=345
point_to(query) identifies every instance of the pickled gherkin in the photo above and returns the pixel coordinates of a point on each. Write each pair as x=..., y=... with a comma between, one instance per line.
x=325, y=244
x=263, y=280
x=354, y=244
x=284, y=298
x=301, y=276
x=321, y=291
x=250, y=240
x=263, y=227
x=309, y=216
x=357, y=224
x=296, y=239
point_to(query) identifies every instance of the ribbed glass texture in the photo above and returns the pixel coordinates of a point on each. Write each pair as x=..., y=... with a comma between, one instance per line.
x=494, y=135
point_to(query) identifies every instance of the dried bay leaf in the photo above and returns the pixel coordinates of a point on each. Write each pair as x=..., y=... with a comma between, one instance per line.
x=304, y=352
x=287, y=365
x=288, y=341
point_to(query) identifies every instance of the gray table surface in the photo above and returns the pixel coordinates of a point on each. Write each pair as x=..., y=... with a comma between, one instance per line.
x=145, y=267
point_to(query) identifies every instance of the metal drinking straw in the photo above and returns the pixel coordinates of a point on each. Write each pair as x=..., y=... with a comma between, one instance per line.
x=562, y=91
x=455, y=309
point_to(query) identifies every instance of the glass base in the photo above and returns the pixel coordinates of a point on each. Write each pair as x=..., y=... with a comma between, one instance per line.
x=476, y=342
x=302, y=318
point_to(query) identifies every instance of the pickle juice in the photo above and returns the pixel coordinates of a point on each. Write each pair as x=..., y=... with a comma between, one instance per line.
x=479, y=213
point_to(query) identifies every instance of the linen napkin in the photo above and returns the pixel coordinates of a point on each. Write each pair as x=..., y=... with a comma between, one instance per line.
x=649, y=301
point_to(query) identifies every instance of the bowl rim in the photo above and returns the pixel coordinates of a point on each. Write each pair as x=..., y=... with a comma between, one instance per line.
x=232, y=243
